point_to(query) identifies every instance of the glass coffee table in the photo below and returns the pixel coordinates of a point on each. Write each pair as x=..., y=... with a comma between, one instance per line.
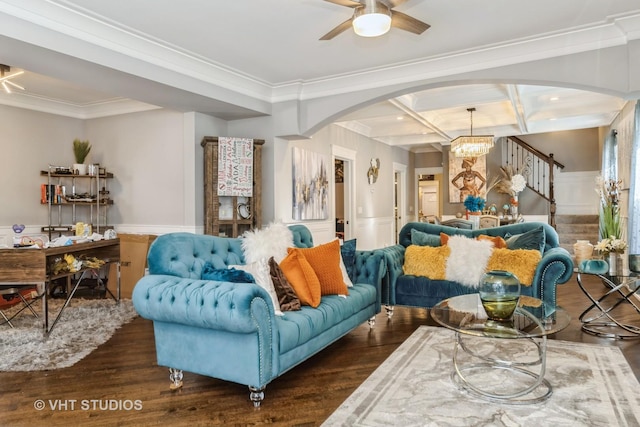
x=501, y=361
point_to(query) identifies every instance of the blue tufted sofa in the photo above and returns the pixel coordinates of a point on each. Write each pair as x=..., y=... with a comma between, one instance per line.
x=555, y=267
x=229, y=331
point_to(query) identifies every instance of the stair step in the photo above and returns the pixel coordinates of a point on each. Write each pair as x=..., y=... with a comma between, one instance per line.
x=577, y=228
x=572, y=228
x=577, y=219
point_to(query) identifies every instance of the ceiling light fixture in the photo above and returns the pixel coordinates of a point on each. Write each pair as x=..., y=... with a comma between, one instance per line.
x=372, y=20
x=5, y=80
x=472, y=146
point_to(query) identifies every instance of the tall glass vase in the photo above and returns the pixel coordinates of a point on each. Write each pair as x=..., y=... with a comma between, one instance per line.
x=514, y=205
x=616, y=264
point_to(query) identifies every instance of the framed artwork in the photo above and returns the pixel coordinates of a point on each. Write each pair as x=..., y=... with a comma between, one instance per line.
x=467, y=175
x=310, y=185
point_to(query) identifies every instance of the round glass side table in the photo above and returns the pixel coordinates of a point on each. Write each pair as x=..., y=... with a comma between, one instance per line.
x=605, y=316
x=501, y=361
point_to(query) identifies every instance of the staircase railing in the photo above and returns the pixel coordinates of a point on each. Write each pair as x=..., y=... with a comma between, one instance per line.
x=538, y=168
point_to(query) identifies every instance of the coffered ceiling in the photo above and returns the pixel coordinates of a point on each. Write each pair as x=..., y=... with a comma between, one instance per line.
x=91, y=58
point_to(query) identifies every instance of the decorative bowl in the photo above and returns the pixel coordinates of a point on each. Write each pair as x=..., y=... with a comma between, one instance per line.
x=634, y=263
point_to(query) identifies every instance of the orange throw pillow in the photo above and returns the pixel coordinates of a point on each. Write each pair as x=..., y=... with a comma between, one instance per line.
x=325, y=261
x=302, y=278
x=444, y=238
x=498, y=242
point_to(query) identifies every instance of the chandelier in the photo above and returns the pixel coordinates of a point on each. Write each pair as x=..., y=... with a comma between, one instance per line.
x=471, y=146
x=5, y=80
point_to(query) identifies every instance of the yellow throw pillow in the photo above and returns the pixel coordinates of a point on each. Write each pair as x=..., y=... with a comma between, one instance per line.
x=302, y=278
x=325, y=261
x=521, y=262
x=428, y=261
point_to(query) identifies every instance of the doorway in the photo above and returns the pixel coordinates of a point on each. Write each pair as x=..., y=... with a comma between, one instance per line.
x=399, y=197
x=429, y=198
x=341, y=221
x=344, y=191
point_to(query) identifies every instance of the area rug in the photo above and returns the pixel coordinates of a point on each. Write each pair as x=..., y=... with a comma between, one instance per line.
x=592, y=386
x=85, y=324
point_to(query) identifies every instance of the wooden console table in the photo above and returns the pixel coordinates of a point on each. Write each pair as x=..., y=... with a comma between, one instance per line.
x=35, y=267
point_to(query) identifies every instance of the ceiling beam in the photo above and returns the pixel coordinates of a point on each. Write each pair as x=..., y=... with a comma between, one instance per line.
x=518, y=109
x=402, y=106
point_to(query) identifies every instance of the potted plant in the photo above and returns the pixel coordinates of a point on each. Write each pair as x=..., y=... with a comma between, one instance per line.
x=80, y=151
x=612, y=243
x=474, y=206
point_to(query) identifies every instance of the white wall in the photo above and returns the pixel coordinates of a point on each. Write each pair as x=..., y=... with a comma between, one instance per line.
x=148, y=156
x=575, y=193
x=155, y=156
x=374, y=203
x=29, y=142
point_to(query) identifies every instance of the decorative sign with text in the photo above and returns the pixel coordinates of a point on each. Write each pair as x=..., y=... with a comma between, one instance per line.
x=235, y=167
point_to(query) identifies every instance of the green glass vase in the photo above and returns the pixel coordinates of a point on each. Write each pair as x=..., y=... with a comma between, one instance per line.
x=499, y=293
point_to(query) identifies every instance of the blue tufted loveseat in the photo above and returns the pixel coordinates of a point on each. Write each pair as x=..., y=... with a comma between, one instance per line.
x=230, y=331
x=555, y=267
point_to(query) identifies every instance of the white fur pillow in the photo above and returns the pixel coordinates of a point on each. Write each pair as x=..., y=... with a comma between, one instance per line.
x=271, y=241
x=468, y=259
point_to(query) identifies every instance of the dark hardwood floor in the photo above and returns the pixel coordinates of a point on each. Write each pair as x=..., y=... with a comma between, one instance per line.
x=124, y=370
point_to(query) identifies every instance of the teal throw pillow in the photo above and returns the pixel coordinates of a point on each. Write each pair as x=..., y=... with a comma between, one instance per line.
x=421, y=238
x=209, y=272
x=532, y=239
x=348, y=252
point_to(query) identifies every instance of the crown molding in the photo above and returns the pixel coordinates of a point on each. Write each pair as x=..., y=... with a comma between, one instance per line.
x=60, y=26
x=111, y=107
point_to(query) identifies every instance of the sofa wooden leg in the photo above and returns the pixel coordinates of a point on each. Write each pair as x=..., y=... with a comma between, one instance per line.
x=389, y=309
x=175, y=375
x=256, y=395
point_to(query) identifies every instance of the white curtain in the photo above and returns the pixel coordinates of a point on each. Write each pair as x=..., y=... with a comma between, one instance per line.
x=610, y=157
x=634, y=187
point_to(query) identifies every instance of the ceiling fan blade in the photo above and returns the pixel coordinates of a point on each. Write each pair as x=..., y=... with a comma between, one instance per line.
x=347, y=3
x=337, y=30
x=408, y=23
x=392, y=3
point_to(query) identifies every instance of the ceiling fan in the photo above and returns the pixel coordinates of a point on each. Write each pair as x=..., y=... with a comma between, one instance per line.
x=373, y=18
x=4, y=80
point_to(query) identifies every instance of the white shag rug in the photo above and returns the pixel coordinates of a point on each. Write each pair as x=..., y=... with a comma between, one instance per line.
x=85, y=324
x=593, y=385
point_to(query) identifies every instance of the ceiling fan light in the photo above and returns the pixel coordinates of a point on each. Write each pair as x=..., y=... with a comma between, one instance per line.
x=13, y=84
x=5, y=79
x=373, y=19
x=372, y=24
